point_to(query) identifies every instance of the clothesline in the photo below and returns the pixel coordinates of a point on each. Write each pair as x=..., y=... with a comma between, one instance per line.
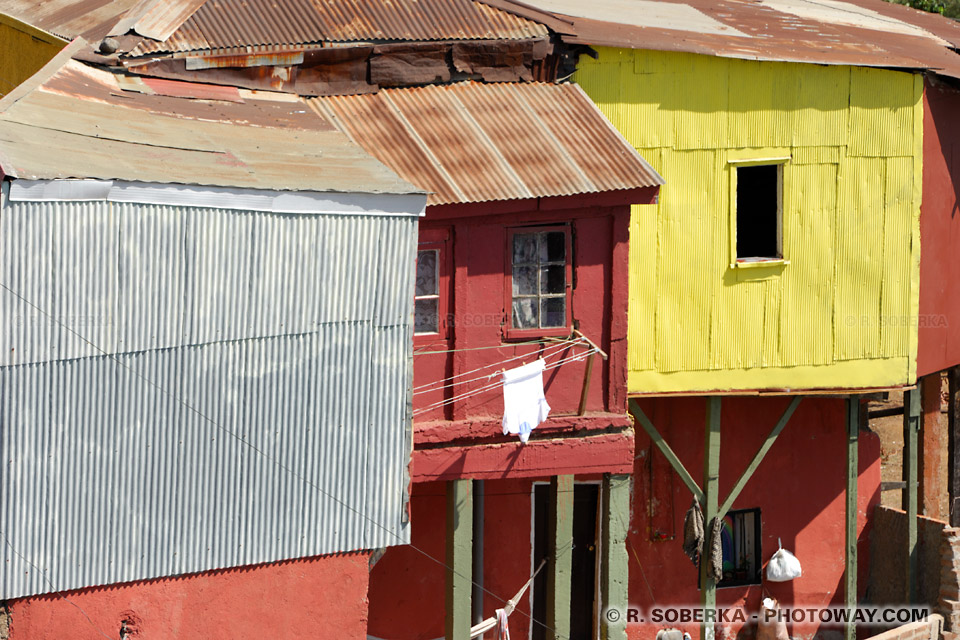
x=430, y=386
x=540, y=341
x=499, y=383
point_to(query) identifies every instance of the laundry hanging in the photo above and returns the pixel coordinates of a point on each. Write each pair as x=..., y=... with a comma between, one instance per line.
x=524, y=405
x=693, y=532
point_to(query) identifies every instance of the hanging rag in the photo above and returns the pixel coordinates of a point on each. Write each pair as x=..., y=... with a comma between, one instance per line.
x=715, y=568
x=503, y=630
x=693, y=532
x=524, y=406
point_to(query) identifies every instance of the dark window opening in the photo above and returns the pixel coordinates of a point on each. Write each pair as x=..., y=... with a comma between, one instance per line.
x=583, y=579
x=758, y=211
x=740, y=541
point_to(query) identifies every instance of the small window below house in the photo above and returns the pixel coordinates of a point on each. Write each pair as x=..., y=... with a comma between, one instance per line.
x=539, y=281
x=740, y=539
x=759, y=212
x=427, y=296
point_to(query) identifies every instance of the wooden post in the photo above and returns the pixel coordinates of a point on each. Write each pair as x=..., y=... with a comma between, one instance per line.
x=587, y=375
x=711, y=493
x=911, y=430
x=930, y=452
x=953, y=442
x=614, y=567
x=560, y=557
x=459, y=558
x=853, y=473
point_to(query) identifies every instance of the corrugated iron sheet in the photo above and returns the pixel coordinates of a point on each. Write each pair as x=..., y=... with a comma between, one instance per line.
x=231, y=23
x=81, y=123
x=262, y=370
x=90, y=19
x=848, y=32
x=473, y=142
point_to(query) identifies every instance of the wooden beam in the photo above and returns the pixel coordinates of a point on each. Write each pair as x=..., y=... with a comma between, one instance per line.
x=587, y=375
x=560, y=557
x=758, y=457
x=614, y=567
x=711, y=492
x=953, y=445
x=658, y=440
x=459, y=558
x=911, y=430
x=853, y=473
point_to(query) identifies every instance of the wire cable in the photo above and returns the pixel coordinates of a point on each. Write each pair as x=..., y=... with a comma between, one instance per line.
x=252, y=447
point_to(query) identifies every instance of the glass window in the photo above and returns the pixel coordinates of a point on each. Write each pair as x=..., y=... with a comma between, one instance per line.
x=427, y=294
x=539, y=279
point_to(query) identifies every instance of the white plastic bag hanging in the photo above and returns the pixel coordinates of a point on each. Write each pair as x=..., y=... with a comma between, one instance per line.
x=783, y=566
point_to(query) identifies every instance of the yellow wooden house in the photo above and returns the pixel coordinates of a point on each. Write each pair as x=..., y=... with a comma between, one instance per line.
x=783, y=253
x=24, y=49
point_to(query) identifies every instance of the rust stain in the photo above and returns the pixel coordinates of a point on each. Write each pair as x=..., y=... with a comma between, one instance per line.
x=476, y=142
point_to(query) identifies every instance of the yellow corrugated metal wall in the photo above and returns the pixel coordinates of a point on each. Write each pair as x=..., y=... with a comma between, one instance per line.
x=23, y=51
x=841, y=312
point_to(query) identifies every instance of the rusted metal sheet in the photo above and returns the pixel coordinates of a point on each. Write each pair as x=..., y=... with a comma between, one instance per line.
x=81, y=123
x=474, y=142
x=91, y=19
x=857, y=32
x=231, y=23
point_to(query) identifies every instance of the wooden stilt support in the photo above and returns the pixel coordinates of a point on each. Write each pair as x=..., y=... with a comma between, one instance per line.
x=614, y=567
x=711, y=507
x=560, y=557
x=853, y=473
x=911, y=431
x=953, y=446
x=459, y=558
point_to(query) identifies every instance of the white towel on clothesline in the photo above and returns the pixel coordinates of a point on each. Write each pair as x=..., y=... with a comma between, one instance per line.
x=524, y=405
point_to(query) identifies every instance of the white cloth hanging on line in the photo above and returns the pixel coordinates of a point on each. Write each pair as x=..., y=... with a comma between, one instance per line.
x=524, y=405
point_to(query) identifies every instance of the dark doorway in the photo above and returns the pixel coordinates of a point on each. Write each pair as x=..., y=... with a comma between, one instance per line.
x=586, y=499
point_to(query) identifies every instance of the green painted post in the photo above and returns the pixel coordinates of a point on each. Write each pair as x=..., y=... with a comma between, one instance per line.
x=615, y=568
x=459, y=558
x=853, y=472
x=560, y=562
x=711, y=492
x=911, y=430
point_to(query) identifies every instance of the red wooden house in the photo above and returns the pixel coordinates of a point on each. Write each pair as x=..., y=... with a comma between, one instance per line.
x=523, y=255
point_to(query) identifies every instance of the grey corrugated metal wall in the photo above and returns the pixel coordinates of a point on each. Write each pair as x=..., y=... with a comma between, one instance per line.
x=256, y=409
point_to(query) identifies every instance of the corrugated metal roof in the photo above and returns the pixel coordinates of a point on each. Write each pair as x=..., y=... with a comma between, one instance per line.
x=849, y=32
x=231, y=23
x=474, y=142
x=94, y=19
x=81, y=123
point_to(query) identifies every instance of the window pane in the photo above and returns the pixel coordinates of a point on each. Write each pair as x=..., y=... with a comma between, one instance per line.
x=524, y=281
x=426, y=317
x=525, y=248
x=553, y=312
x=553, y=279
x=427, y=273
x=553, y=247
x=525, y=313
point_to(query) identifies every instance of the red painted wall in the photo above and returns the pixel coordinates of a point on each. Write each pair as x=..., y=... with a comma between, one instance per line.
x=939, y=345
x=477, y=246
x=321, y=597
x=798, y=487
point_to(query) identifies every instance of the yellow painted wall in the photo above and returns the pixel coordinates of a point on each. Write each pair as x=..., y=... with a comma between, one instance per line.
x=23, y=51
x=841, y=312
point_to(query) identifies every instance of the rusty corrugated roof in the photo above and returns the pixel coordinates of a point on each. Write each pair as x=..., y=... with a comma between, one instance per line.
x=476, y=142
x=231, y=23
x=851, y=32
x=94, y=19
x=74, y=121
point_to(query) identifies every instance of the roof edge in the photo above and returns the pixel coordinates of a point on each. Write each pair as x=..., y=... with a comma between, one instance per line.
x=45, y=73
x=29, y=29
x=209, y=197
